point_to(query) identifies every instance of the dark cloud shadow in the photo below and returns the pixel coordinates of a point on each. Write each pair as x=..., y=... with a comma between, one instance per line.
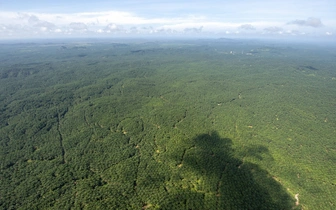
x=211, y=177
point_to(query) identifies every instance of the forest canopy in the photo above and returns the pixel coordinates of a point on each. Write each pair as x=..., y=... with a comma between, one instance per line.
x=193, y=124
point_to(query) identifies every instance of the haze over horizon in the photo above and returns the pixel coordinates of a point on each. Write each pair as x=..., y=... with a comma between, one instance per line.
x=258, y=19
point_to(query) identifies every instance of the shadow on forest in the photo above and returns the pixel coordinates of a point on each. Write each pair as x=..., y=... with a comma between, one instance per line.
x=215, y=179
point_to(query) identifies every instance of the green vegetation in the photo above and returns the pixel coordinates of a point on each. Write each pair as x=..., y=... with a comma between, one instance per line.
x=208, y=124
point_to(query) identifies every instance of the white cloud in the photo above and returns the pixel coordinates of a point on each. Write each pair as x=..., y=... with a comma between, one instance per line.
x=273, y=29
x=112, y=28
x=247, y=27
x=13, y=24
x=33, y=19
x=193, y=30
x=78, y=26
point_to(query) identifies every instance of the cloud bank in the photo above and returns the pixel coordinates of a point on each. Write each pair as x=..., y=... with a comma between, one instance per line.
x=273, y=29
x=312, y=22
x=247, y=27
x=120, y=23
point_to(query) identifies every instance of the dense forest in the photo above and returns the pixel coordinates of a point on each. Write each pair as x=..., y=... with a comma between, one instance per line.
x=168, y=124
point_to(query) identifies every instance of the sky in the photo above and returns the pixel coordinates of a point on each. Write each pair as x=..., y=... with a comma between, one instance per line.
x=299, y=19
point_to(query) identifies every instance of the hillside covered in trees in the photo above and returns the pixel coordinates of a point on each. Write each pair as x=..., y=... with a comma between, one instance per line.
x=138, y=124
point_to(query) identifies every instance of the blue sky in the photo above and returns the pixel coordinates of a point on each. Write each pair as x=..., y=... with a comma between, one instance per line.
x=212, y=18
